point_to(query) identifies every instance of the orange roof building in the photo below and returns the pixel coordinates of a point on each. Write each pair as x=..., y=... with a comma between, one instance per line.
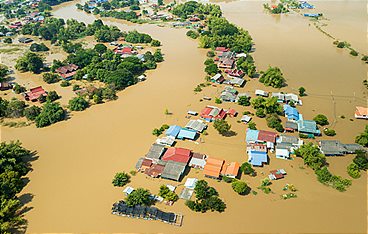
x=361, y=112
x=230, y=170
x=213, y=168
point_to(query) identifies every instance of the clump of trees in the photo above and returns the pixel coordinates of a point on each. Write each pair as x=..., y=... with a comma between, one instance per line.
x=30, y=62
x=192, y=34
x=274, y=121
x=321, y=120
x=329, y=132
x=247, y=169
x=136, y=37
x=78, y=104
x=167, y=194
x=272, y=77
x=38, y=47
x=240, y=187
x=51, y=113
x=50, y=78
x=121, y=179
x=244, y=101
x=266, y=106
x=246, y=64
x=4, y=70
x=302, y=91
x=14, y=166
x=191, y=7
x=360, y=163
x=206, y=199
x=211, y=68
x=362, y=139
x=139, y=196
x=158, y=131
x=314, y=159
x=222, y=126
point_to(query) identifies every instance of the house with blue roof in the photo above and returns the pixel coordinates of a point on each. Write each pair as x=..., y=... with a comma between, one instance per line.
x=173, y=131
x=291, y=113
x=257, y=158
x=251, y=136
x=186, y=133
x=308, y=126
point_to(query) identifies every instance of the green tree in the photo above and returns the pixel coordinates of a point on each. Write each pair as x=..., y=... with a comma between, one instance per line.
x=51, y=113
x=252, y=125
x=155, y=43
x=362, y=139
x=158, y=56
x=273, y=77
x=311, y=155
x=50, y=78
x=211, y=69
x=247, y=169
x=78, y=104
x=240, y=187
x=30, y=62
x=52, y=96
x=3, y=71
x=302, y=91
x=361, y=159
x=32, y=112
x=321, y=120
x=100, y=48
x=121, y=179
x=353, y=170
x=244, y=101
x=15, y=108
x=222, y=126
x=139, y=196
x=167, y=194
x=329, y=132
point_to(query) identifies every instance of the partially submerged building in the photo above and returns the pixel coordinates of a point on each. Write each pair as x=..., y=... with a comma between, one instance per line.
x=173, y=170
x=336, y=148
x=213, y=168
x=212, y=113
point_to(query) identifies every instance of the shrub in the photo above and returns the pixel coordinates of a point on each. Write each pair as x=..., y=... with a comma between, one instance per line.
x=32, y=112
x=51, y=113
x=221, y=126
x=52, y=96
x=240, y=187
x=354, y=53
x=329, y=132
x=252, y=125
x=155, y=43
x=121, y=179
x=353, y=170
x=218, y=101
x=50, y=78
x=227, y=179
x=260, y=113
x=139, y=196
x=247, y=169
x=302, y=91
x=167, y=194
x=192, y=34
x=244, y=101
x=211, y=54
x=321, y=120
x=64, y=83
x=78, y=104
x=8, y=40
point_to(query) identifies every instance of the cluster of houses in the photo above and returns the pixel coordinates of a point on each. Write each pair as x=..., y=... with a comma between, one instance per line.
x=172, y=163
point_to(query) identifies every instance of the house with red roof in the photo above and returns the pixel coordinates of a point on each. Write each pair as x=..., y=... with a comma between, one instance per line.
x=266, y=136
x=235, y=73
x=67, y=72
x=221, y=49
x=230, y=169
x=177, y=155
x=211, y=113
x=34, y=94
x=232, y=112
x=124, y=51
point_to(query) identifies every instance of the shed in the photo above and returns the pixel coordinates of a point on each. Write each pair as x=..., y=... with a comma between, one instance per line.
x=282, y=153
x=197, y=125
x=190, y=183
x=245, y=119
x=260, y=92
x=155, y=151
x=173, y=170
x=186, y=133
x=257, y=158
x=173, y=131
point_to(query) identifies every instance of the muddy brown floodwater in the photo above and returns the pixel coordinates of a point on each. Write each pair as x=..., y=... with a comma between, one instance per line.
x=71, y=180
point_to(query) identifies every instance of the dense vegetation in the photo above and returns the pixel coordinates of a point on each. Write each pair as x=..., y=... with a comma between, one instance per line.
x=222, y=126
x=314, y=159
x=51, y=113
x=266, y=106
x=362, y=139
x=30, y=62
x=360, y=163
x=167, y=194
x=191, y=7
x=206, y=199
x=240, y=187
x=272, y=77
x=121, y=179
x=14, y=166
x=139, y=196
x=321, y=120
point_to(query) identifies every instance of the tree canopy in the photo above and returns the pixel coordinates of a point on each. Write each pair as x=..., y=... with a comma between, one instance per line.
x=30, y=62
x=139, y=196
x=273, y=77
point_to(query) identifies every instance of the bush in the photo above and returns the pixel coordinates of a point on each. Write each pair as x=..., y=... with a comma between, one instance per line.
x=354, y=53
x=64, y=83
x=361, y=159
x=167, y=194
x=273, y=77
x=52, y=96
x=218, y=101
x=260, y=113
x=321, y=120
x=221, y=126
x=329, y=132
x=252, y=125
x=139, y=196
x=311, y=155
x=78, y=104
x=51, y=113
x=362, y=139
x=50, y=78
x=19, y=89
x=15, y=108
x=155, y=43
x=121, y=179
x=29, y=62
x=247, y=169
x=302, y=91
x=341, y=44
x=244, y=101
x=227, y=179
x=211, y=54
x=32, y=112
x=8, y=40
x=240, y=187
x=192, y=34
x=353, y=170
x=38, y=47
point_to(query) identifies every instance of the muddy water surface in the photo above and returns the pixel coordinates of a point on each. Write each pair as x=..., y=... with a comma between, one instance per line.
x=71, y=180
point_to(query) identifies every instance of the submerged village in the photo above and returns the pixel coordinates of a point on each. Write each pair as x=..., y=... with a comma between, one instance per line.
x=52, y=70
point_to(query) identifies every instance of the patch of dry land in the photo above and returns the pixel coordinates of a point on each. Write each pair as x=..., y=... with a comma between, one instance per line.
x=71, y=180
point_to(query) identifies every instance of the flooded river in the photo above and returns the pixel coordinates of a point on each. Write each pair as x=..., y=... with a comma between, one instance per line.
x=71, y=180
